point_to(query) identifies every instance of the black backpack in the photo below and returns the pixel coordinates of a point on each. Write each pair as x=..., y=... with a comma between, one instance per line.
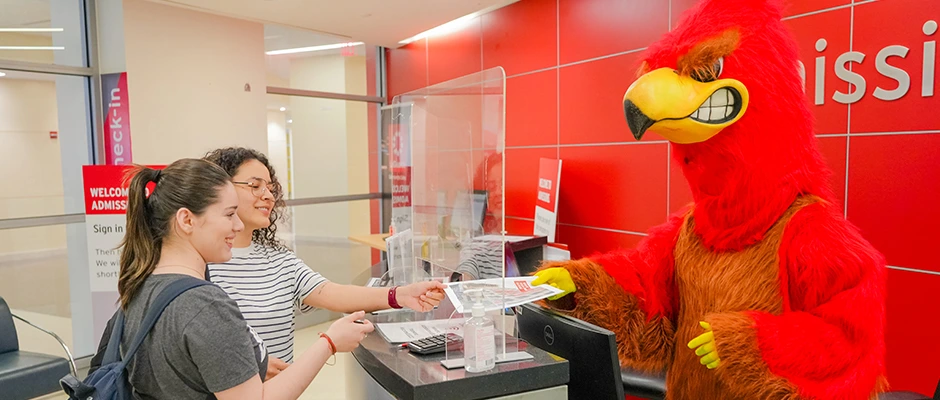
x=109, y=382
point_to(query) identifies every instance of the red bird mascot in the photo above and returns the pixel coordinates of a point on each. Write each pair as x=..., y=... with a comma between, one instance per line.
x=760, y=289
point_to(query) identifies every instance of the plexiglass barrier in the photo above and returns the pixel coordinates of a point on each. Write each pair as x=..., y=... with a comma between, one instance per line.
x=446, y=145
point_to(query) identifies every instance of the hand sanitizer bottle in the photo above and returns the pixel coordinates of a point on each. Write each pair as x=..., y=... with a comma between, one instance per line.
x=479, y=341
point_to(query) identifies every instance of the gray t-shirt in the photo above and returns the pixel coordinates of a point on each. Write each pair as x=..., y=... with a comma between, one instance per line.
x=200, y=345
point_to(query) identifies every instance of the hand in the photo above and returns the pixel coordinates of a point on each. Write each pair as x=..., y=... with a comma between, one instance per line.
x=275, y=366
x=558, y=278
x=346, y=333
x=421, y=296
x=704, y=346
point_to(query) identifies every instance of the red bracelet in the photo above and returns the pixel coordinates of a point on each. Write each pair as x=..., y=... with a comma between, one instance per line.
x=392, y=301
x=330, y=341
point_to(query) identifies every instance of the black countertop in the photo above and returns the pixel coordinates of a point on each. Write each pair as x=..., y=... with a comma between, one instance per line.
x=409, y=376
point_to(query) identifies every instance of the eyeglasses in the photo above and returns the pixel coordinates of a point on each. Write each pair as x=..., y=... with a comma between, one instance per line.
x=258, y=186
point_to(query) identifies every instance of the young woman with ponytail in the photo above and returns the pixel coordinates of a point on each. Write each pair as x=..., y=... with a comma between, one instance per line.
x=201, y=345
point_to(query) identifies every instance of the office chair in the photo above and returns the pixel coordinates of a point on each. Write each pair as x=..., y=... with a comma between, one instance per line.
x=23, y=374
x=910, y=395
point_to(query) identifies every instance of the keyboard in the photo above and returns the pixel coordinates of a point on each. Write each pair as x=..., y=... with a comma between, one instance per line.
x=433, y=344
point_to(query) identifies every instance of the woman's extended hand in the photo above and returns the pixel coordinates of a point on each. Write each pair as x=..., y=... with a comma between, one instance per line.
x=421, y=296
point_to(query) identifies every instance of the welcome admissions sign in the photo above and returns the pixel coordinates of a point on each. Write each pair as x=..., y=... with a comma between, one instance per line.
x=105, y=223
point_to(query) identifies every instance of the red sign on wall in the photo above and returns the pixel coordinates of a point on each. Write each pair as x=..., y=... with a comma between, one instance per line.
x=546, y=202
x=117, y=121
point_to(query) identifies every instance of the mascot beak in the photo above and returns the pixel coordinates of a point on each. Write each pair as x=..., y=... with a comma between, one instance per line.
x=681, y=109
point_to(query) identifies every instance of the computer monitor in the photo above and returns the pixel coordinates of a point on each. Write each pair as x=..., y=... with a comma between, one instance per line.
x=512, y=265
x=591, y=351
x=466, y=212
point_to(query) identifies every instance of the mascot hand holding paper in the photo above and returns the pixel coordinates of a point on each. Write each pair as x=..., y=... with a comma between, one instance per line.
x=760, y=289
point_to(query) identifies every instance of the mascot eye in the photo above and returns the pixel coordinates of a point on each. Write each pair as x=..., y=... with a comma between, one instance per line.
x=709, y=74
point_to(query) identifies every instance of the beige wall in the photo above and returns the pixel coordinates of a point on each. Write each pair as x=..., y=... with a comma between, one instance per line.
x=277, y=155
x=30, y=161
x=186, y=76
x=277, y=145
x=319, y=147
x=329, y=146
x=357, y=146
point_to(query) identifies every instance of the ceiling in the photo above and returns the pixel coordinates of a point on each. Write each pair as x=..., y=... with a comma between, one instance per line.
x=277, y=37
x=375, y=22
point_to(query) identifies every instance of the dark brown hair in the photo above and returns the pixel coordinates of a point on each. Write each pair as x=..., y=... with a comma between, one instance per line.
x=188, y=183
x=231, y=159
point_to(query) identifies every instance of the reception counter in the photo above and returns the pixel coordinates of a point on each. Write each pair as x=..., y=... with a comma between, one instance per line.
x=385, y=371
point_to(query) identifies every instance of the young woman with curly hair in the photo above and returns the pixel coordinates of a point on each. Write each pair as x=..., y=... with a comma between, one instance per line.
x=268, y=280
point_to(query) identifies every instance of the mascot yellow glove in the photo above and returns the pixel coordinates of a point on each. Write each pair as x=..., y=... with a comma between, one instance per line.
x=704, y=346
x=557, y=277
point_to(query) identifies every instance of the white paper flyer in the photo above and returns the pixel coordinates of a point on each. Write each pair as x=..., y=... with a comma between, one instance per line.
x=496, y=294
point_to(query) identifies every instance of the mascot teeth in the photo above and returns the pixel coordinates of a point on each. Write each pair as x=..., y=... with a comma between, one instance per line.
x=719, y=107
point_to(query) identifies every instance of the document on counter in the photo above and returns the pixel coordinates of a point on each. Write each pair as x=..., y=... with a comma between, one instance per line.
x=497, y=293
x=403, y=332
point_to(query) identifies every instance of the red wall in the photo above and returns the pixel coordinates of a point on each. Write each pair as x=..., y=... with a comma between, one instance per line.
x=568, y=63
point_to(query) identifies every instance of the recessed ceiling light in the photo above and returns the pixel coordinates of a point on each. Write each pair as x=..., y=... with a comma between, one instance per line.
x=312, y=48
x=290, y=121
x=444, y=29
x=2, y=74
x=283, y=108
x=31, y=29
x=451, y=26
x=32, y=48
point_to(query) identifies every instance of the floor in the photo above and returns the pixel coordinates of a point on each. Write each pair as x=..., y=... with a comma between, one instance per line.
x=330, y=383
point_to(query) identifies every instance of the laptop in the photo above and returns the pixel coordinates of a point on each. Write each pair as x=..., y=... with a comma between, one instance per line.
x=591, y=351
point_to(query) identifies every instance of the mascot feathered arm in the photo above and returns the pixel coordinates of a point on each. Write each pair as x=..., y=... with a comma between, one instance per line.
x=828, y=345
x=630, y=292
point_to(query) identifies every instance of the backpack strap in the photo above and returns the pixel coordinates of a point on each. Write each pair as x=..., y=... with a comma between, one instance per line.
x=166, y=296
x=112, y=352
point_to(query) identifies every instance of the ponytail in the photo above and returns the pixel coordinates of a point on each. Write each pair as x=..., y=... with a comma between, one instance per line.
x=141, y=247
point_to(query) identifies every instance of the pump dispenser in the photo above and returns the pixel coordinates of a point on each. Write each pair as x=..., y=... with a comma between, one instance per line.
x=479, y=339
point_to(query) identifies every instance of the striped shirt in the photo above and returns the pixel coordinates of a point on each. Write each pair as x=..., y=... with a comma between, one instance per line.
x=268, y=285
x=481, y=259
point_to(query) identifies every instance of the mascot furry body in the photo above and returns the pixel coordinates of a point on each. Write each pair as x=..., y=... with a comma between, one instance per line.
x=760, y=289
